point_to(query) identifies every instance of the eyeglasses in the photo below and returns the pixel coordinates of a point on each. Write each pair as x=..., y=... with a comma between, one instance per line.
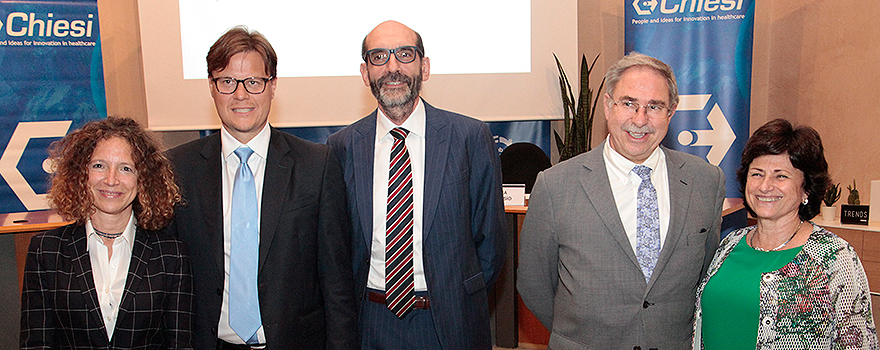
x=404, y=54
x=632, y=108
x=228, y=85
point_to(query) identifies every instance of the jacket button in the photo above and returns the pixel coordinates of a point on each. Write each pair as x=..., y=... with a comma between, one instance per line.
x=637, y=348
x=219, y=291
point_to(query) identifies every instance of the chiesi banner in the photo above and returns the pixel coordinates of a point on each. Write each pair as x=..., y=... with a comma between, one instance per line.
x=52, y=81
x=708, y=43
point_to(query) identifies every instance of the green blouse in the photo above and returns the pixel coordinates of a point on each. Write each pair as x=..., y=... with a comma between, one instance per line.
x=731, y=299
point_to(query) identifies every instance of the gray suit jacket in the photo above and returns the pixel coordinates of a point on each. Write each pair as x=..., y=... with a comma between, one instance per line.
x=577, y=270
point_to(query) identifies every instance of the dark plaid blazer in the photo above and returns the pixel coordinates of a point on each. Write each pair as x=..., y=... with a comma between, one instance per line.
x=60, y=308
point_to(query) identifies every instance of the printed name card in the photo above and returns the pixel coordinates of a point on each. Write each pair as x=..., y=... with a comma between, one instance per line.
x=514, y=194
x=854, y=214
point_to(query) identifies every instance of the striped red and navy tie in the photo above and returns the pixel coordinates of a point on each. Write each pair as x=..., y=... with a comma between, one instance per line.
x=399, y=285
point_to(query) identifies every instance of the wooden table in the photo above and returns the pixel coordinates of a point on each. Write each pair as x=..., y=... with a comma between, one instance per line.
x=34, y=221
x=25, y=225
x=503, y=296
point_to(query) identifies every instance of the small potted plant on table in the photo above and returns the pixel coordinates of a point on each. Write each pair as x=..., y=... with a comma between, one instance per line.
x=831, y=197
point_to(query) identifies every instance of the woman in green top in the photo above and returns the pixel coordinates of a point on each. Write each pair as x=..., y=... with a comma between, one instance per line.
x=784, y=283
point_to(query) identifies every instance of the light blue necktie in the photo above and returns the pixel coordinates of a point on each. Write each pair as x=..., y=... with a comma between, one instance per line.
x=648, y=217
x=244, y=306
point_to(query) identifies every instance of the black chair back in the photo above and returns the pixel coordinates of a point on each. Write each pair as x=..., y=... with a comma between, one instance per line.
x=521, y=162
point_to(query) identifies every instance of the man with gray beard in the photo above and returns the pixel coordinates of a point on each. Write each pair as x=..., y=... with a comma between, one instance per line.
x=616, y=240
x=424, y=192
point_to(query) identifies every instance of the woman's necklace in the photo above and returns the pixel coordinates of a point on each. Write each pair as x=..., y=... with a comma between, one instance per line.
x=107, y=235
x=752, y=241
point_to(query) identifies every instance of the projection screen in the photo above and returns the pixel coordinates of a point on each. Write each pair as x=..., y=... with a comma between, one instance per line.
x=491, y=59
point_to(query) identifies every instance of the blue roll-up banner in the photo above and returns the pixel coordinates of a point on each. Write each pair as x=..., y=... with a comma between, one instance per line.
x=508, y=133
x=708, y=43
x=52, y=81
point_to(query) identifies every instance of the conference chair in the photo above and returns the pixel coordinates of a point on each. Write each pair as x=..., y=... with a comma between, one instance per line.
x=521, y=162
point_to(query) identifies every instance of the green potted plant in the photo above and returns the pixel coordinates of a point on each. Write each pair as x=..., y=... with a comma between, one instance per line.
x=853, y=198
x=853, y=212
x=831, y=197
x=578, y=117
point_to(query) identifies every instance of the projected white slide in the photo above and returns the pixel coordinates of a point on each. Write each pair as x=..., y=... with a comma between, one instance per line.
x=334, y=30
x=490, y=59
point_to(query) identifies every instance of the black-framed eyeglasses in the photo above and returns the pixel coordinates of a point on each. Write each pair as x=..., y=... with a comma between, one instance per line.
x=631, y=107
x=253, y=85
x=404, y=54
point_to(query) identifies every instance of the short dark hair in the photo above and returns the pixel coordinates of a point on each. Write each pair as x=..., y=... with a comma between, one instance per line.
x=157, y=191
x=237, y=40
x=805, y=151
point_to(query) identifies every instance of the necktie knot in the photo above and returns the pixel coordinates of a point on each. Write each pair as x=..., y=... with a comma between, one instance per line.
x=643, y=172
x=399, y=133
x=243, y=153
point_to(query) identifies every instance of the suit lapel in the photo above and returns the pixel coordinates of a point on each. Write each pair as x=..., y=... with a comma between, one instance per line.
x=363, y=154
x=140, y=254
x=679, y=192
x=276, y=180
x=211, y=197
x=598, y=191
x=82, y=270
x=437, y=136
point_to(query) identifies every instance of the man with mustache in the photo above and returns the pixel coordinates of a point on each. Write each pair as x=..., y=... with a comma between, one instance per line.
x=424, y=192
x=616, y=240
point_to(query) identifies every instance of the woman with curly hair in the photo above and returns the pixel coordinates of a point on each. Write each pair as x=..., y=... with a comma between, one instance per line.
x=785, y=283
x=113, y=279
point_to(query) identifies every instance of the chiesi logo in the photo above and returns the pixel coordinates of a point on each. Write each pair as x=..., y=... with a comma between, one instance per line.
x=647, y=7
x=24, y=132
x=20, y=24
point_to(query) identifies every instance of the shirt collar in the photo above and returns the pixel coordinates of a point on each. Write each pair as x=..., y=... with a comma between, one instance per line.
x=260, y=143
x=415, y=123
x=127, y=234
x=621, y=167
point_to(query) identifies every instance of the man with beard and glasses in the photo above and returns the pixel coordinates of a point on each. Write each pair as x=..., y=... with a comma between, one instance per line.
x=616, y=240
x=424, y=192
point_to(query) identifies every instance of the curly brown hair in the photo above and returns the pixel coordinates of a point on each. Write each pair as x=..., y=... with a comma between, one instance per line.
x=157, y=192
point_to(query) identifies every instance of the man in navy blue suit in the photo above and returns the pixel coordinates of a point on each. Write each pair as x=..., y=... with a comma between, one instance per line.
x=428, y=183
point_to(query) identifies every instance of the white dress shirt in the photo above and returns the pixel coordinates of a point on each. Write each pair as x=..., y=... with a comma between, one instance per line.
x=110, y=272
x=257, y=163
x=625, y=187
x=415, y=145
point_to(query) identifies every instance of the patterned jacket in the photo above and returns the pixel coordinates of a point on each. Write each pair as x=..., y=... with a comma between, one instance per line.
x=819, y=300
x=60, y=307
